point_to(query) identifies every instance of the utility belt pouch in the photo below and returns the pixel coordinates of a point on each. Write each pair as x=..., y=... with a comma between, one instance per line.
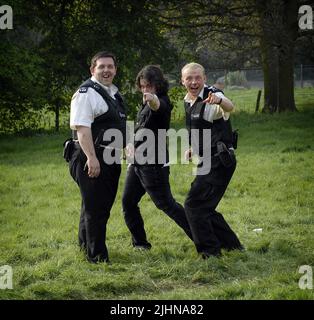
x=235, y=138
x=68, y=149
x=225, y=155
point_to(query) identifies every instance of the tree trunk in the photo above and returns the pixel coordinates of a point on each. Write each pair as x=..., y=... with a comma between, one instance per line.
x=270, y=71
x=278, y=24
x=286, y=82
x=286, y=57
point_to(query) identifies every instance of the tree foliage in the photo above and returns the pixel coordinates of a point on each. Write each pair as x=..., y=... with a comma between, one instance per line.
x=46, y=56
x=271, y=27
x=50, y=50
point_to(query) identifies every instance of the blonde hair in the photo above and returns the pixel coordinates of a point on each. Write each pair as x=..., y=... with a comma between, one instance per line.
x=193, y=66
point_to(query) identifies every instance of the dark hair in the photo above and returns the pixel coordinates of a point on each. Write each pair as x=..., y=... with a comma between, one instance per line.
x=102, y=54
x=154, y=76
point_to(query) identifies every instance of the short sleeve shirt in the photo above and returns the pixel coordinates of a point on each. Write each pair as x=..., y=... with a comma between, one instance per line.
x=86, y=106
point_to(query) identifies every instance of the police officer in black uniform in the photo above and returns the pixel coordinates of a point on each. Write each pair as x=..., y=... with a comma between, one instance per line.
x=96, y=107
x=208, y=108
x=152, y=174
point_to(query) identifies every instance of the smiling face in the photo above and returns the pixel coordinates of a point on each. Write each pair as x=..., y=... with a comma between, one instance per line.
x=193, y=79
x=104, y=71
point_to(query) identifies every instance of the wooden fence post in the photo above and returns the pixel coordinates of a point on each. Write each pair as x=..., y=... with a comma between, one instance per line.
x=258, y=100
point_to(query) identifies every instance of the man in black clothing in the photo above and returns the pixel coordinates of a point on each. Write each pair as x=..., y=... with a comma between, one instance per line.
x=96, y=107
x=208, y=108
x=152, y=174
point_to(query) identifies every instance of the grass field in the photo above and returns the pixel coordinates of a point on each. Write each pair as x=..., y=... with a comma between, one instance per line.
x=272, y=189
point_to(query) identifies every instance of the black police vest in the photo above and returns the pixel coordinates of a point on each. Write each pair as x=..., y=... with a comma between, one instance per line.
x=114, y=118
x=221, y=129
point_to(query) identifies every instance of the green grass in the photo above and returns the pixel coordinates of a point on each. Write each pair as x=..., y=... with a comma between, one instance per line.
x=272, y=189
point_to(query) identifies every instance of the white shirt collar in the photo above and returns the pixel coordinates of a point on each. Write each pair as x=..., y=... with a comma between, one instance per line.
x=191, y=101
x=112, y=89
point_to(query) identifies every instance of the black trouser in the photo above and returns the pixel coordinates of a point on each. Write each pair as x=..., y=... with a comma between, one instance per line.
x=209, y=229
x=98, y=195
x=155, y=181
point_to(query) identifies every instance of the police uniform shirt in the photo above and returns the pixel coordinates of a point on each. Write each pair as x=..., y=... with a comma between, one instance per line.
x=86, y=106
x=212, y=111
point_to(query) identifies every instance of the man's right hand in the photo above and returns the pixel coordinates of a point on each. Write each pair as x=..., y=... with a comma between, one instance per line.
x=93, y=167
x=85, y=138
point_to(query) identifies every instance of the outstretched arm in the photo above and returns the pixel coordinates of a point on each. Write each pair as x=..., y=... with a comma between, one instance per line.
x=152, y=100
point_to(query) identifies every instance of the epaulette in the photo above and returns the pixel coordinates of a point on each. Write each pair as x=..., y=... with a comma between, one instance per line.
x=96, y=86
x=213, y=89
x=83, y=89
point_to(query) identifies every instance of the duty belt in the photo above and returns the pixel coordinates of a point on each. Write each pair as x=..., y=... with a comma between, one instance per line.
x=99, y=146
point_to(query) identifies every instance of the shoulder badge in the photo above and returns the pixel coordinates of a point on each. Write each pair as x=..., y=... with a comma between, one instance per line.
x=83, y=89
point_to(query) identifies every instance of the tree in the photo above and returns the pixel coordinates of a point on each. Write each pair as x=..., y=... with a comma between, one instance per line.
x=62, y=37
x=19, y=74
x=279, y=30
x=60, y=23
x=65, y=34
x=272, y=24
